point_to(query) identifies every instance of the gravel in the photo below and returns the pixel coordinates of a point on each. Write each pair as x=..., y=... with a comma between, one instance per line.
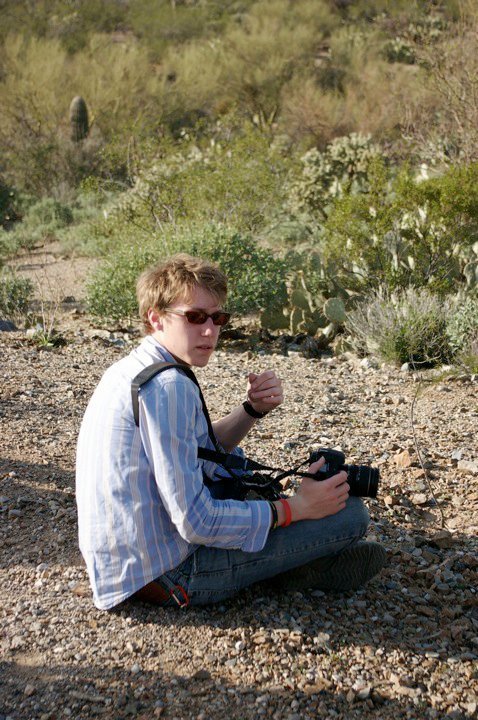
x=405, y=646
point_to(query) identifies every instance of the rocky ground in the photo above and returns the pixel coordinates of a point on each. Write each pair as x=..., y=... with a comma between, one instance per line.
x=405, y=646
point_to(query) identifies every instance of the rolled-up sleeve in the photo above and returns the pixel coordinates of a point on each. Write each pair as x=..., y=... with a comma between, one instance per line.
x=172, y=424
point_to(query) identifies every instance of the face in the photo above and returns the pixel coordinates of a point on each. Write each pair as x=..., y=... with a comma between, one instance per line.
x=188, y=343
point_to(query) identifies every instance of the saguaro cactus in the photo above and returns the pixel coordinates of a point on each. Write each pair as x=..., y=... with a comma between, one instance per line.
x=78, y=119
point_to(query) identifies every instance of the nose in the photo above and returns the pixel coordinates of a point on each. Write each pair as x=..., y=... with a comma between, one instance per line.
x=208, y=328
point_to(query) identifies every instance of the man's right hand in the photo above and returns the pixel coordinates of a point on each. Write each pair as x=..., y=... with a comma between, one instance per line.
x=318, y=499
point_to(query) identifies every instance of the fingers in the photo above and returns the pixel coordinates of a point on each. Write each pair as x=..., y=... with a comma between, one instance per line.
x=316, y=465
x=266, y=387
x=334, y=489
x=320, y=499
x=339, y=479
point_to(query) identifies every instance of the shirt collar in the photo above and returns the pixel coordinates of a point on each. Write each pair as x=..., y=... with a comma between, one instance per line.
x=158, y=349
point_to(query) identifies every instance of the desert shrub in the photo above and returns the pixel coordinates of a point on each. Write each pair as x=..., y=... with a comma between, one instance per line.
x=451, y=67
x=246, y=67
x=399, y=50
x=310, y=114
x=463, y=323
x=404, y=232
x=8, y=211
x=50, y=214
x=59, y=19
x=15, y=295
x=111, y=290
x=162, y=24
x=405, y=326
x=467, y=357
x=37, y=83
x=74, y=29
x=87, y=232
x=42, y=220
x=234, y=179
x=256, y=277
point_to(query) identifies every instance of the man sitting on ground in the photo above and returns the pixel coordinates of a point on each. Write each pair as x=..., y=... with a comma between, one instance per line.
x=150, y=527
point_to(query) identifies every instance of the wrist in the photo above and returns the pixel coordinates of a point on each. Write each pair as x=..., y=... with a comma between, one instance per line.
x=284, y=512
x=252, y=412
x=296, y=510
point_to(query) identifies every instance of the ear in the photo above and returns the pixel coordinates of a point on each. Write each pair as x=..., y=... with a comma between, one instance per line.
x=155, y=319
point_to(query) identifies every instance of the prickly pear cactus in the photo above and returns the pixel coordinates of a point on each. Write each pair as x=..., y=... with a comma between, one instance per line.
x=334, y=310
x=79, y=119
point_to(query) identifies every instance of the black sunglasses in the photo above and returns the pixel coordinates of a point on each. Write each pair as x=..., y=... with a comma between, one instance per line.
x=199, y=317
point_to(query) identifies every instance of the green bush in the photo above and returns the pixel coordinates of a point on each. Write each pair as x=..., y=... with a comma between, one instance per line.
x=256, y=277
x=406, y=233
x=15, y=295
x=111, y=291
x=463, y=323
x=231, y=175
x=405, y=326
x=42, y=220
x=467, y=358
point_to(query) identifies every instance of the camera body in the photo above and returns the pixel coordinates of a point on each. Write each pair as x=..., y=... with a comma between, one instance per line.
x=363, y=479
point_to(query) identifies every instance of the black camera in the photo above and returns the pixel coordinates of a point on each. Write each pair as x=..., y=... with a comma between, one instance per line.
x=363, y=480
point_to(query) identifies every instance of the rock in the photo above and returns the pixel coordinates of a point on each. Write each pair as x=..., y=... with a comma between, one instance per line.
x=467, y=467
x=364, y=693
x=403, y=459
x=81, y=590
x=368, y=363
x=417, y=473
x=7, y=326
x=419, y=499
x=201, y=674
x=31, y=332
x=310, y=348
x=442, y=539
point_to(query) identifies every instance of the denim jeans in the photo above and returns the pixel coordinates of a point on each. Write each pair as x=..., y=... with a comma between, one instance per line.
x=211, y=574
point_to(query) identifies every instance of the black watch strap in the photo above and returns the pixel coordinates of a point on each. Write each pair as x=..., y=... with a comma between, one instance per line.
x=253, y=413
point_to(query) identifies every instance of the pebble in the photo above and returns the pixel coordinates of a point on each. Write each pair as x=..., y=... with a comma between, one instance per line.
x=263, y=654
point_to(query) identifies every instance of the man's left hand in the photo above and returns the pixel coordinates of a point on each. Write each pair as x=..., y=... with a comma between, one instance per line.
x=264, y=391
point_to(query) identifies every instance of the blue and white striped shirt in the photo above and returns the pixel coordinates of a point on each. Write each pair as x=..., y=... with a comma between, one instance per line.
x=142, y=504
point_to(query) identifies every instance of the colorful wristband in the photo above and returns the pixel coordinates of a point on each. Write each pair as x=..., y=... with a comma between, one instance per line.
x=288, y=512
x=275, y=516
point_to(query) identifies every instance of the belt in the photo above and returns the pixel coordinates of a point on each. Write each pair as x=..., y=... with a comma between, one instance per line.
x=159, y=592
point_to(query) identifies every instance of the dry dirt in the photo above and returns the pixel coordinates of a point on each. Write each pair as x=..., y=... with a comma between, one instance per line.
x=405, y=646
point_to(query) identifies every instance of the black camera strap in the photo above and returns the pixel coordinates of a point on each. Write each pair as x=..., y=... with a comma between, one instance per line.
x=226, y=460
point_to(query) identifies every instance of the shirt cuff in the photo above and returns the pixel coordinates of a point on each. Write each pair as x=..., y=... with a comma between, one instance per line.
x=260, y=526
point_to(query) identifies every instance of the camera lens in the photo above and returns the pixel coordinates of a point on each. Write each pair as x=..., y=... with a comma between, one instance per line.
x=363, y=480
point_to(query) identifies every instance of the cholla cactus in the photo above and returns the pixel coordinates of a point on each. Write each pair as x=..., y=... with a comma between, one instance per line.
x=346, y=160
x=79, y=119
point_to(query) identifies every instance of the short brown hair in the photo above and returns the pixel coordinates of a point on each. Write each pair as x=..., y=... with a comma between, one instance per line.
x=176, y=278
